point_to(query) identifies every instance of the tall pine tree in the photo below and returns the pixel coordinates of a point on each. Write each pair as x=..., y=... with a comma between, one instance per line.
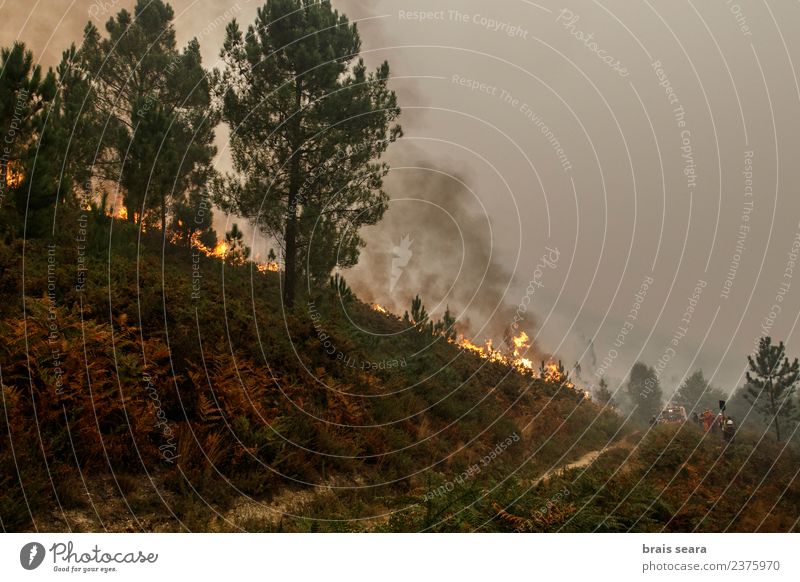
x=644, y=391
x=603, y=394
x=26, y=100
x=158, y=103
x=771, y=383
x=697, y=394
x=308, y=123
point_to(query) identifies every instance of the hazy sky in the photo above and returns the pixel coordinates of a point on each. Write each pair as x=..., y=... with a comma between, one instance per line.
x=642, y=140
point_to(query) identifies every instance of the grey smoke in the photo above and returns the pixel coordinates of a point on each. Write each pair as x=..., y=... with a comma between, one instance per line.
x=454, y=260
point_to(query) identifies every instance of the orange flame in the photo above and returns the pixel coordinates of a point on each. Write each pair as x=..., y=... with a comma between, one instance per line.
x=379, y=308
x=515, y=358
x=118, y=210
x=220, y=250
x=197, y=244
x=468, y=345
x=268, y=267
x=554, y=375
x=487, y=351
x=521, y=341
x=521, y=344
x=14, y=174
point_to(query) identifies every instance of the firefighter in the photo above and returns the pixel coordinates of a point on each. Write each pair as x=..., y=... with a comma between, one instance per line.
x=729, y=429
x=708, y=419
x=719, y=423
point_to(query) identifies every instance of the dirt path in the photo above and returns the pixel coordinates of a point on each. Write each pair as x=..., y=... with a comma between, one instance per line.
x=147, y=506
x=585, y=460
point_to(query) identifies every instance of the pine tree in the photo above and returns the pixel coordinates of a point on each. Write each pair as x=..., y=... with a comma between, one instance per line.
x=419, y=315
x=771, y=384
x=192, y=217
x=339, y=286
x=644, y=390
x=307, y=126
x=604, y=395
x=157, y=101
x=446, y=327
x=697, y=394
x=77, y=121
x=554, y=373
x=26, y=98
x=237, y=252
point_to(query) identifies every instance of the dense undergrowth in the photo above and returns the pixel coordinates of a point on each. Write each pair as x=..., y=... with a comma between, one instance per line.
x=157, y=365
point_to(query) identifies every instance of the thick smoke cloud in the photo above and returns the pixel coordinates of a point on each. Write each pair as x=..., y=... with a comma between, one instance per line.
x=437, y=240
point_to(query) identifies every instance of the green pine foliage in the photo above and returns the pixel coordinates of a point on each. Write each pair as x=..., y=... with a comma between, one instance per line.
x=310, y=126
x=644, y=391
x=771, y=385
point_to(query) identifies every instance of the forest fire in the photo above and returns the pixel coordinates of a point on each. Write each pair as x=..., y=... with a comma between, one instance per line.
x=268, y=267
x=521, y=344
x=118, y=210
x=487, y=351
x=220, y=250
x=551, y=371
x=14, y=175
x=379, y=308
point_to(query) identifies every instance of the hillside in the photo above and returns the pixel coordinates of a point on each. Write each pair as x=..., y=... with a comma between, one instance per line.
x=141, y=395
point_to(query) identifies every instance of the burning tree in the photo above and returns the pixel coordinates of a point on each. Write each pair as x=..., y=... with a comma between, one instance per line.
x=446, y=327
x=419, y=315
x=307, y=125
x=554, y=372
x=236, y=252
x=192, y=220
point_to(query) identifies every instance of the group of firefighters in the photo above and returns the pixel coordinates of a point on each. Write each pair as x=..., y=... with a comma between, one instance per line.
x=713, y=423
x=717, y=423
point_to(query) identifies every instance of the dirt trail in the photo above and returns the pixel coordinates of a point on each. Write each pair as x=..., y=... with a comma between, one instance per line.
x=586, y=459
x=147, y=505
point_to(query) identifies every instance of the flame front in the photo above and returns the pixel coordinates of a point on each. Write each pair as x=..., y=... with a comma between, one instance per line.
x=468, y=345
x=379, y=308
x=198, y=244
x=522, y=343
x=14, y=174
x=220, y=250
x=552, y=372
x=487, y=351
x=268, y=267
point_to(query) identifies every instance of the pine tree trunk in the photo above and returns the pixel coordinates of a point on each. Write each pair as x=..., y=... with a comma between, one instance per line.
x=290, y=260
x=164, y=218
x=775, y=415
